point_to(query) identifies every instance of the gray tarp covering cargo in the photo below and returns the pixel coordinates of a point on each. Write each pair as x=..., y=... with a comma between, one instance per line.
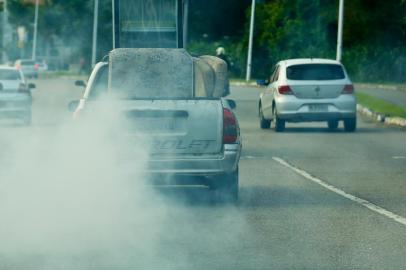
x=165, y=73
x=151, y=73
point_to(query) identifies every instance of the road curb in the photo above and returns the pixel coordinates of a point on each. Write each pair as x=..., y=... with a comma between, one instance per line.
x=379, y=117
x=243, y=84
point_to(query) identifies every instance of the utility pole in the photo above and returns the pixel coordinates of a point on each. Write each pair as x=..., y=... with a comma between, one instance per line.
x=4, y=30
x=185, y=22
x=340, y=31
x=95, y=23
x=34, y=43
x=251, y=37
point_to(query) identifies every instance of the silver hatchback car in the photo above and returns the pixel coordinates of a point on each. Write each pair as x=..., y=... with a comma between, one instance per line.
x=306, y=90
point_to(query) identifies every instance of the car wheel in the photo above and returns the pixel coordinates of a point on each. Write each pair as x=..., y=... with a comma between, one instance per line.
x=279, y=124
x=263, y=123
x=350, y=124
x=225, y=187
x=332, y=124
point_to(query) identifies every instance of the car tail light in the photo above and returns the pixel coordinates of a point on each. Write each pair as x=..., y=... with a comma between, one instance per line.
x=348, y=89
x=285, y=90
x=230, y=127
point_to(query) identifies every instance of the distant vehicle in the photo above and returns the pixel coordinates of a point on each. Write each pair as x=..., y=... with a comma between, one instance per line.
x=192, y=139
x=305, y=90
x=15, y=95
x=28, y=67
x=42, y=65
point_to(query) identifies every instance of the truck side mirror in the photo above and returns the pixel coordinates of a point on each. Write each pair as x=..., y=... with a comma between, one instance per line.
x=80, y=83
x=232, y=103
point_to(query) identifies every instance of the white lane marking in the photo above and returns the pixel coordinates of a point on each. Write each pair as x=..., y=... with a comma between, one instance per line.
x=353, y=198
x=399, y=157
x=249, y=157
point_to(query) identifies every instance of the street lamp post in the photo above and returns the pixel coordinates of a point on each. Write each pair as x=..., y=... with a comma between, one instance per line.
x=95, y=23
x=250, y=43
x=34, y=43
x=340, y=31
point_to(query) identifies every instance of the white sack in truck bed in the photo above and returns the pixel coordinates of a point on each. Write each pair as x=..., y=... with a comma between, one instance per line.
x=220, y=68
x=151, y=73
x=204, y=78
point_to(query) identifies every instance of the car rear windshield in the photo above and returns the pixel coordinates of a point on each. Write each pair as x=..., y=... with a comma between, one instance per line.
x=9, y=75
x=27, y=62
x=311, y=72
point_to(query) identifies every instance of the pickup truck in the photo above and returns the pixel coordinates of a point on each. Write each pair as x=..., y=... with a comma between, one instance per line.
x=193, y=138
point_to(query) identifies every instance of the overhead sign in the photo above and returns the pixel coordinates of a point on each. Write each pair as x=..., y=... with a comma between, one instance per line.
x=148, y=23
x=146, y=16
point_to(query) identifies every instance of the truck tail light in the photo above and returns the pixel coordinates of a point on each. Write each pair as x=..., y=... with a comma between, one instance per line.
x=230, y=127
x=348, y=89
x=285, y=90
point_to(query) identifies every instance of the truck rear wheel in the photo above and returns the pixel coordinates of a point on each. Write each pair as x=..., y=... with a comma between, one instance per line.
x=225, y=187
x=27, y=119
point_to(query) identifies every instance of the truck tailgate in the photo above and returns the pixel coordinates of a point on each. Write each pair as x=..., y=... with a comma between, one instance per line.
x=175, y=126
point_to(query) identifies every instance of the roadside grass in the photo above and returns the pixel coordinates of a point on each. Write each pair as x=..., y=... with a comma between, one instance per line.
x=239, y=80
x=381, y=106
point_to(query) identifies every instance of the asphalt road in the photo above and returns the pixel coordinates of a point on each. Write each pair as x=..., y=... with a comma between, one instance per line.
x=283, y=220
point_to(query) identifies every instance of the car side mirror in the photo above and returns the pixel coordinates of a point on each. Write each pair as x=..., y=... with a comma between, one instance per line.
x=32, y=86
x=232, y=103
x=263, y=82
x=80, y=83
x=72, y=106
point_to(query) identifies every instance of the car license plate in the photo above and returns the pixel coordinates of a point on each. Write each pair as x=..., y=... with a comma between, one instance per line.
x=318, y=108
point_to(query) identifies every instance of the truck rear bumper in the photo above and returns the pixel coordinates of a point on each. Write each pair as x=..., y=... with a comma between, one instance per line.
x=199, y=165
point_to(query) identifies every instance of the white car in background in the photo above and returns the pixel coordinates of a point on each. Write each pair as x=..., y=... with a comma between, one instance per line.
x=28, y=67
x=306, y=90
x=15, y=95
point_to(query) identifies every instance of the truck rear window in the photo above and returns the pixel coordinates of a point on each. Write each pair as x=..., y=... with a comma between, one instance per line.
x=315, y=72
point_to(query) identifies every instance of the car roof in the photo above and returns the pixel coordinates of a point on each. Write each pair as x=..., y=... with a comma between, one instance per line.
x=25, y=60
x=8, y=68
x=299, y=61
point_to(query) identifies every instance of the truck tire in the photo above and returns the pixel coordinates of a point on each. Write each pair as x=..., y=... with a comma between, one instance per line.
x=263, y=123
x=225, y=187
x=350, y=124
x=27, y=119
